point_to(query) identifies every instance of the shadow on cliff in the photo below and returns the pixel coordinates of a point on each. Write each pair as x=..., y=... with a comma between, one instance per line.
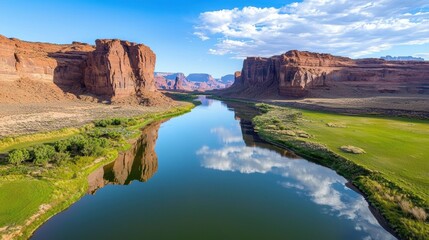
x=69, y=73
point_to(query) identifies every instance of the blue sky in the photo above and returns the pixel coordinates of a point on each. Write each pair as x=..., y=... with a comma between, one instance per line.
x=212, y=36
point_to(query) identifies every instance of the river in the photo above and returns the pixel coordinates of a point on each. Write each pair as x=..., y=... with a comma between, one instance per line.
x=206, y=175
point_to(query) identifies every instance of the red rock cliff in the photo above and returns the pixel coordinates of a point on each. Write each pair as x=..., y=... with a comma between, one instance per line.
x=120, y=69
x=55, y=63
x=296, y=74
x=113, y=70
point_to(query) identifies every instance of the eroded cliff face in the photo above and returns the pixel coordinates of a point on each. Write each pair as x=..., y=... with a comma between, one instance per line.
x=120, y=69
x=113, y=70
x=62, y=64
x=298, y=74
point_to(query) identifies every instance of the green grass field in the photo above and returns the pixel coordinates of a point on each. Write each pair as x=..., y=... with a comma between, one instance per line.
x=21, y=198
x=397, y=148
x=10, y=143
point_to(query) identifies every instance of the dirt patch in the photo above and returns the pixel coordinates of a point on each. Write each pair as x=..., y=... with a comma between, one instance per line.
x=25, y=118
x=415, y=106
x=28, y=91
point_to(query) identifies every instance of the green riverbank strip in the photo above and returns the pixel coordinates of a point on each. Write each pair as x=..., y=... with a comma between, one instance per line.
x=386, y=158
x=32, y=193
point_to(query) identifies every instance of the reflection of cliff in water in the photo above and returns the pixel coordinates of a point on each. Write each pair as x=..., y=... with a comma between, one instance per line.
x=245, y=113
x=139, y=163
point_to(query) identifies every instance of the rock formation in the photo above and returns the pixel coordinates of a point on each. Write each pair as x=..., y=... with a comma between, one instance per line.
x=120, y=69
x=114, y=70
x=42, y=61
x=299, y=74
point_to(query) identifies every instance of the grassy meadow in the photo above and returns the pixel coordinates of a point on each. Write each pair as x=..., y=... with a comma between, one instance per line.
x=397, y=148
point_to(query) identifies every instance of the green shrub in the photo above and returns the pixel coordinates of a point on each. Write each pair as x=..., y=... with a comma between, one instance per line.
x=62, y=146
x=113, y=135
x=107, y=122
x=264, y=108
x=94, y=147
x=131, y=122
x=77, y=143
x=116, y=122
x=61, y=157
x=18, y=156
x=102, y=123
x=42, y=154
x=294, y=116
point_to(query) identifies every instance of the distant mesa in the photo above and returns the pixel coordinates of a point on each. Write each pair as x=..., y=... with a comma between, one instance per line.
x=113, y=70
x=227, y=78
x=402, y=58
x=200, y=77
x=298, y=74
x=200, y=82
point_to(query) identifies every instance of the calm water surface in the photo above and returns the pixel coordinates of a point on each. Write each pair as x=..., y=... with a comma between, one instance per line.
x=205, y=175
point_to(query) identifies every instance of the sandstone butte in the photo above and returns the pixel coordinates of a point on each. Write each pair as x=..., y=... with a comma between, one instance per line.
x=300, y=74
x=113, y=70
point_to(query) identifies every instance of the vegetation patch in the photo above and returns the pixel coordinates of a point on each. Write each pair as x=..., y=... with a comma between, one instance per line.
x=393, y=172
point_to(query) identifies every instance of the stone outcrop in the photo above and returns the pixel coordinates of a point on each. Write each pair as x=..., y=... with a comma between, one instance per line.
x=113, y=70
x=299, y=74
x=120, y=69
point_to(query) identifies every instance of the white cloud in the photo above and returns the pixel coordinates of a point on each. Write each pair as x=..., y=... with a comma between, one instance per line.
x=226, y=135
x=344, y=27
x=201, y=35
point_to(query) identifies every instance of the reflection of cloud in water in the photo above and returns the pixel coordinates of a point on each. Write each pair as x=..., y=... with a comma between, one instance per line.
x=323, y=185
x=226, y=135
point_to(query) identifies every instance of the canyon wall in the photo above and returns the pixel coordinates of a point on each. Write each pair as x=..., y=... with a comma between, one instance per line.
x=113, y=70
x=299, y=74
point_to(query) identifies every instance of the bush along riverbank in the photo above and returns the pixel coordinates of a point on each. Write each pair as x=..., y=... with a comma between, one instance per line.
x=40, y=180
x=372, y=153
